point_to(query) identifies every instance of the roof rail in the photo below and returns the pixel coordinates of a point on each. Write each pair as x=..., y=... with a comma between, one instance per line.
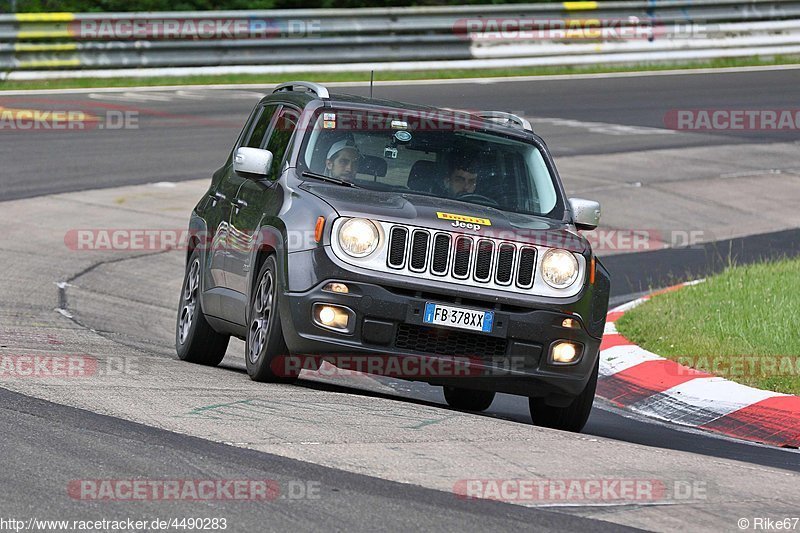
x=320, y=90
x=508, y=119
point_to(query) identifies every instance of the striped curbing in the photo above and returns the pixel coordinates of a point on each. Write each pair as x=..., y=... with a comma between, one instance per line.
x=653, y=386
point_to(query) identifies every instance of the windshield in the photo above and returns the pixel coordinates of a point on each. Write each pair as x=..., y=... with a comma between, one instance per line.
x=436, y=156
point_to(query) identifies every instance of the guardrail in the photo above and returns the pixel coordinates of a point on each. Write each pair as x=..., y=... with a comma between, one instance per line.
x=51, y=45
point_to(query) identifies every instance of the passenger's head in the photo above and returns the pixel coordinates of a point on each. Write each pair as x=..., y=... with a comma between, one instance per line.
x=462, y=177
x=342, y=160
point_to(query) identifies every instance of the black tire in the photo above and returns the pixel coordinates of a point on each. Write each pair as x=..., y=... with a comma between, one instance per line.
x=265, y=346
x=468, y=399
x=570, y=418
x=195, y=340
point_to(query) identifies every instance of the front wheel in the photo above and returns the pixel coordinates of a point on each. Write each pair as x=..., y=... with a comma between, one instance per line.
x=468, y=400
x=195, y=339
x=265, y=347
x=570, y=418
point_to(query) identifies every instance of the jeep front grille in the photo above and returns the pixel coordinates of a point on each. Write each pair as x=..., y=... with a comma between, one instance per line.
x=469, y=259
x=462, y=257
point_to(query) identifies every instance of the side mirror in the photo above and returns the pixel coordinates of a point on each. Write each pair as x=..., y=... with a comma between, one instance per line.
x=586, y=213
x=252, y=163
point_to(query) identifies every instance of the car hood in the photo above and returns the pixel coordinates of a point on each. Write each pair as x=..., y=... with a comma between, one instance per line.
x=445, y=214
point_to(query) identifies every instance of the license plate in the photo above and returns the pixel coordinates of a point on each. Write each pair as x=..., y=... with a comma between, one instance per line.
x=458, y=317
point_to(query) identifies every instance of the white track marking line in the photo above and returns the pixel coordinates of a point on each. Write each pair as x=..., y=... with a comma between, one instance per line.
x=488, y=80
x=604, y=128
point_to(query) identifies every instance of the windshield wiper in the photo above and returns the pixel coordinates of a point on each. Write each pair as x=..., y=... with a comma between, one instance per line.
x=329, y=179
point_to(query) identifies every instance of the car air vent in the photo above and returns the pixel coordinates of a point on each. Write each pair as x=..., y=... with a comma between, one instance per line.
x=505, y=263
x=441, y=253
x=419, y=249
x=446, y=342
x=527, y=262
x=483, y=262
x=461, y=260
x=397, y=247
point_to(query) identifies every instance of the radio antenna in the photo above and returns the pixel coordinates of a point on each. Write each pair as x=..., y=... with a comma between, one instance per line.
x=371, y=79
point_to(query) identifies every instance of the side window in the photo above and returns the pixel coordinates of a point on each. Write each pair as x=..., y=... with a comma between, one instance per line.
x=281, y=136
x=256, y=135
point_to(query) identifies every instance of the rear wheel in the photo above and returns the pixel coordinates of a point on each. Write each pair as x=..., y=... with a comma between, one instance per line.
x=265, y=347
x=467, y=399
x=570, y=418
x=195, y=339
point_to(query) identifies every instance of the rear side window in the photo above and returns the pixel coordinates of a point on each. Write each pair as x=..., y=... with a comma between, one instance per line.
x=281, y=136
x=255, y=137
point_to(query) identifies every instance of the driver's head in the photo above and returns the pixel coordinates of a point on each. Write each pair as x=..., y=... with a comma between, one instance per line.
x=461, y=178
x=342, y=160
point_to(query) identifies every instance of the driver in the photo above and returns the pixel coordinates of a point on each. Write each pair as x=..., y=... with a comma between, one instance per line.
x=462, y=178
x=342, y=160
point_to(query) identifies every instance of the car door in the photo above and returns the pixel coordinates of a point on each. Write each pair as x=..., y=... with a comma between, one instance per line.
x=257, y=204
x=219, y=214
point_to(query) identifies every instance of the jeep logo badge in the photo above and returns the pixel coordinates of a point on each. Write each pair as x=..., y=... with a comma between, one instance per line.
x=466, y=225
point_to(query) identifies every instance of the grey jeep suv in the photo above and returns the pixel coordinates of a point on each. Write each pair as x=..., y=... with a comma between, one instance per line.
x=396, y=239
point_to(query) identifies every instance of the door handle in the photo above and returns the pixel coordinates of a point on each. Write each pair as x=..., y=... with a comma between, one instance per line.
x=217, y=197
x=238, y=203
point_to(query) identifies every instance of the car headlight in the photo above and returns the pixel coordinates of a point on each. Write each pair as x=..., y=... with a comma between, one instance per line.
x=559, y=268
x=358, y=237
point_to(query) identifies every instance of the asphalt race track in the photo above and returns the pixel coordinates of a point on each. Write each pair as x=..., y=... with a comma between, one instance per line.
x=367, y=444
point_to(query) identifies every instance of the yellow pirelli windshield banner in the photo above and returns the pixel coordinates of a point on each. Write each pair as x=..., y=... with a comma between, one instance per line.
x=464, y=218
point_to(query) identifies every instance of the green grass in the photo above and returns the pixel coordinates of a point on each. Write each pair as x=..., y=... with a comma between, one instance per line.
x=743, y=324
x=388, y=76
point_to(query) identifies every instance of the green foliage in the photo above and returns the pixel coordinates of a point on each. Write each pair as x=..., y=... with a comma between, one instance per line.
x=741, y=324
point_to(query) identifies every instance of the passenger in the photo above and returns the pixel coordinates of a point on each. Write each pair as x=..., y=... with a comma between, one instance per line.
x=342, y=160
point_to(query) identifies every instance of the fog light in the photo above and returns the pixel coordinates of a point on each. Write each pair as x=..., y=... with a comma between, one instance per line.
x=336, y=287
x=569, y=323
x=327, y=315
x=334, y=317
x=564, y=353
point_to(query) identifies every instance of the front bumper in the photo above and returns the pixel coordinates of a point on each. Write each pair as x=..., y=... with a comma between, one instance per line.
x=388, y=321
